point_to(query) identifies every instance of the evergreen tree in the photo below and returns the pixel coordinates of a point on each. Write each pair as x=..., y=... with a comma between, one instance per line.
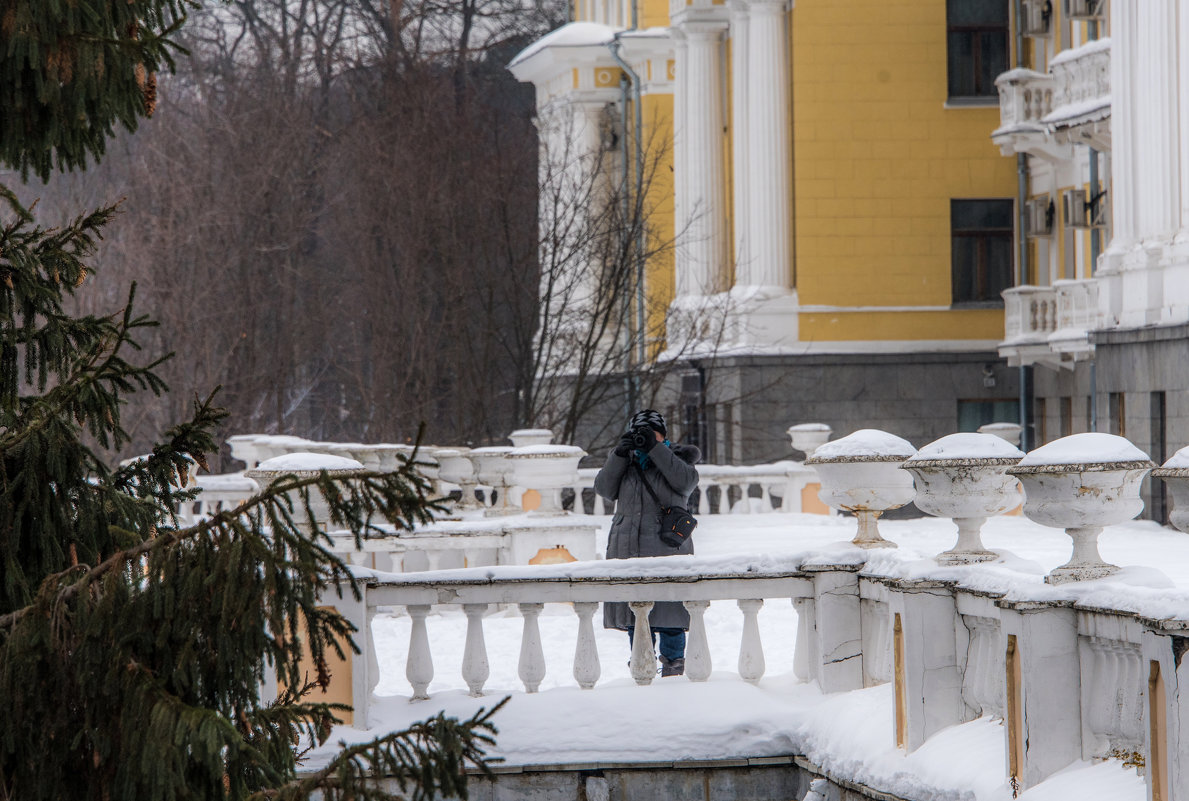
x=71, y=71
x=132, y=649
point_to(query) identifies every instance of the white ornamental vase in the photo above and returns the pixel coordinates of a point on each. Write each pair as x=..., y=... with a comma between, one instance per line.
x=861, y=474
x=808, y=437
x=494, y=470
x=1082, y=483
x=455, y=466
x=963, y=477
x=306, y=465
x=524, y=437
x=548, y=469
x=1175, y=474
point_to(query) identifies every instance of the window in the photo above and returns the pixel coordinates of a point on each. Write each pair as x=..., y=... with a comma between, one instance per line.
x=975, y=413
x=976, y=41
x=981, y=262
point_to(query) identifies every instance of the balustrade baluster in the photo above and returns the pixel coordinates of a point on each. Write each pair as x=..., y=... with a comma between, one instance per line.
x=643, y=662
x=803, y=655
x=475, y=669
x=697, y=649
x=532, y=657
x=704, y=499
x=419, y=665
x=586, y=654
x=751, y=650
x=765, y=498
x=434, y=557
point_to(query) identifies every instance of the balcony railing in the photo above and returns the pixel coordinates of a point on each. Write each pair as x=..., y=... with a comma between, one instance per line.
x=1082, y=98
x=1044, y=114
x=1049, y=325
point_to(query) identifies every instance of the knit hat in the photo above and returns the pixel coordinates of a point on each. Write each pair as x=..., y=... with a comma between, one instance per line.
x=650, y=418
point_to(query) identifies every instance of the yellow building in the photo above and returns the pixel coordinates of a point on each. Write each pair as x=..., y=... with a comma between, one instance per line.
x=842, y=223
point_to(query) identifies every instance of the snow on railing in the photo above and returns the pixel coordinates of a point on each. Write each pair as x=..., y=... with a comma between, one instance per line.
x=1071, y=673
x=1078, y=669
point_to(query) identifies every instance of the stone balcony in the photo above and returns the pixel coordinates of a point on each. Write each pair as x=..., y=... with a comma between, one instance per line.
x=1045, y=114
x=1049, y=325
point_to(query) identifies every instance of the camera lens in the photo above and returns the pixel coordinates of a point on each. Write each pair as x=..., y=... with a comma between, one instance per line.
x=640, y=438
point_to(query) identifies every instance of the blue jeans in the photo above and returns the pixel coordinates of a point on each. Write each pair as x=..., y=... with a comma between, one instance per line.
x=672, y=642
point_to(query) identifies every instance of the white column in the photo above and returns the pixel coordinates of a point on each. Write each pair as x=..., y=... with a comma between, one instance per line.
x=1182, y=44
x=680, y=163
x=769, y=148
x=1122, y=136
x=705, y=240
x=739, y=130
x=1160, y=109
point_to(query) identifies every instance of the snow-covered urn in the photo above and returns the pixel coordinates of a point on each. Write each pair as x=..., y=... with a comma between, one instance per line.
x=1175, y=473
x=861, y=473
x=808, y=437
x=1081, y=483
x=524, y=437
x=305, y=465
x=245, y=448
x=963, y=477
x=455, y=467
x=547, y=469
x=1005, y=431
x=493, y=469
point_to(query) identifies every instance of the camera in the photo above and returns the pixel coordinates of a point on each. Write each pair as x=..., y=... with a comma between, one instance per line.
x=641, y=437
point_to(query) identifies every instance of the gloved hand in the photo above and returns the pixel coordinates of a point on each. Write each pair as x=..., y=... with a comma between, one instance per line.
x=625, y=446
x=649, y=440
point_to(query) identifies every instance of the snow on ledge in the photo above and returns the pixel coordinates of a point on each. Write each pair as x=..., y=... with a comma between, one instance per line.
x=574, y=34
x=305, y=462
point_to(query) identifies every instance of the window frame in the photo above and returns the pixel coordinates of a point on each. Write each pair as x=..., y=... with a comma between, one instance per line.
x=974, y=32
x=982, y=268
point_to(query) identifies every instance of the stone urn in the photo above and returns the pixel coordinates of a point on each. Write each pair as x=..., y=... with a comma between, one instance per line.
x=455, y=466
x=861, y=474
x=963, y=477
x=1081, y=483
x=305, y=465
x=244, y=448
x=1175, y=473
x=1006, y=431
x=494, y=470
x=548, y=469
x=808, y=437
x=522, y=438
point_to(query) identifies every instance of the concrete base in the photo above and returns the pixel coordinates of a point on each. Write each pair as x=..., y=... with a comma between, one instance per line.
x=761, y=779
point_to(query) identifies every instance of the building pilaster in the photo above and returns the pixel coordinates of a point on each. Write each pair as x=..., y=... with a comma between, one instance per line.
x=704, y=183
x=769, y=150
x=740, y=168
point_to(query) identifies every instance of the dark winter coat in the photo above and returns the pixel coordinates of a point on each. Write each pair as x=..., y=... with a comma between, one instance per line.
x=635, y=530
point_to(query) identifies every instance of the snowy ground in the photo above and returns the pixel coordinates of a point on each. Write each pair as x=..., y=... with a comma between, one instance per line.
x=848, y=734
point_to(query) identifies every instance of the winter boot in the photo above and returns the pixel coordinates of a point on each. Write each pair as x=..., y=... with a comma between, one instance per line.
x=672, y=667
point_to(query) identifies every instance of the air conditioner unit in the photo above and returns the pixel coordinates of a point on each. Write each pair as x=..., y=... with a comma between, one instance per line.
x=1085, y=9
x=1039, y=214
x=1036, y=17
x=1076, y=208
